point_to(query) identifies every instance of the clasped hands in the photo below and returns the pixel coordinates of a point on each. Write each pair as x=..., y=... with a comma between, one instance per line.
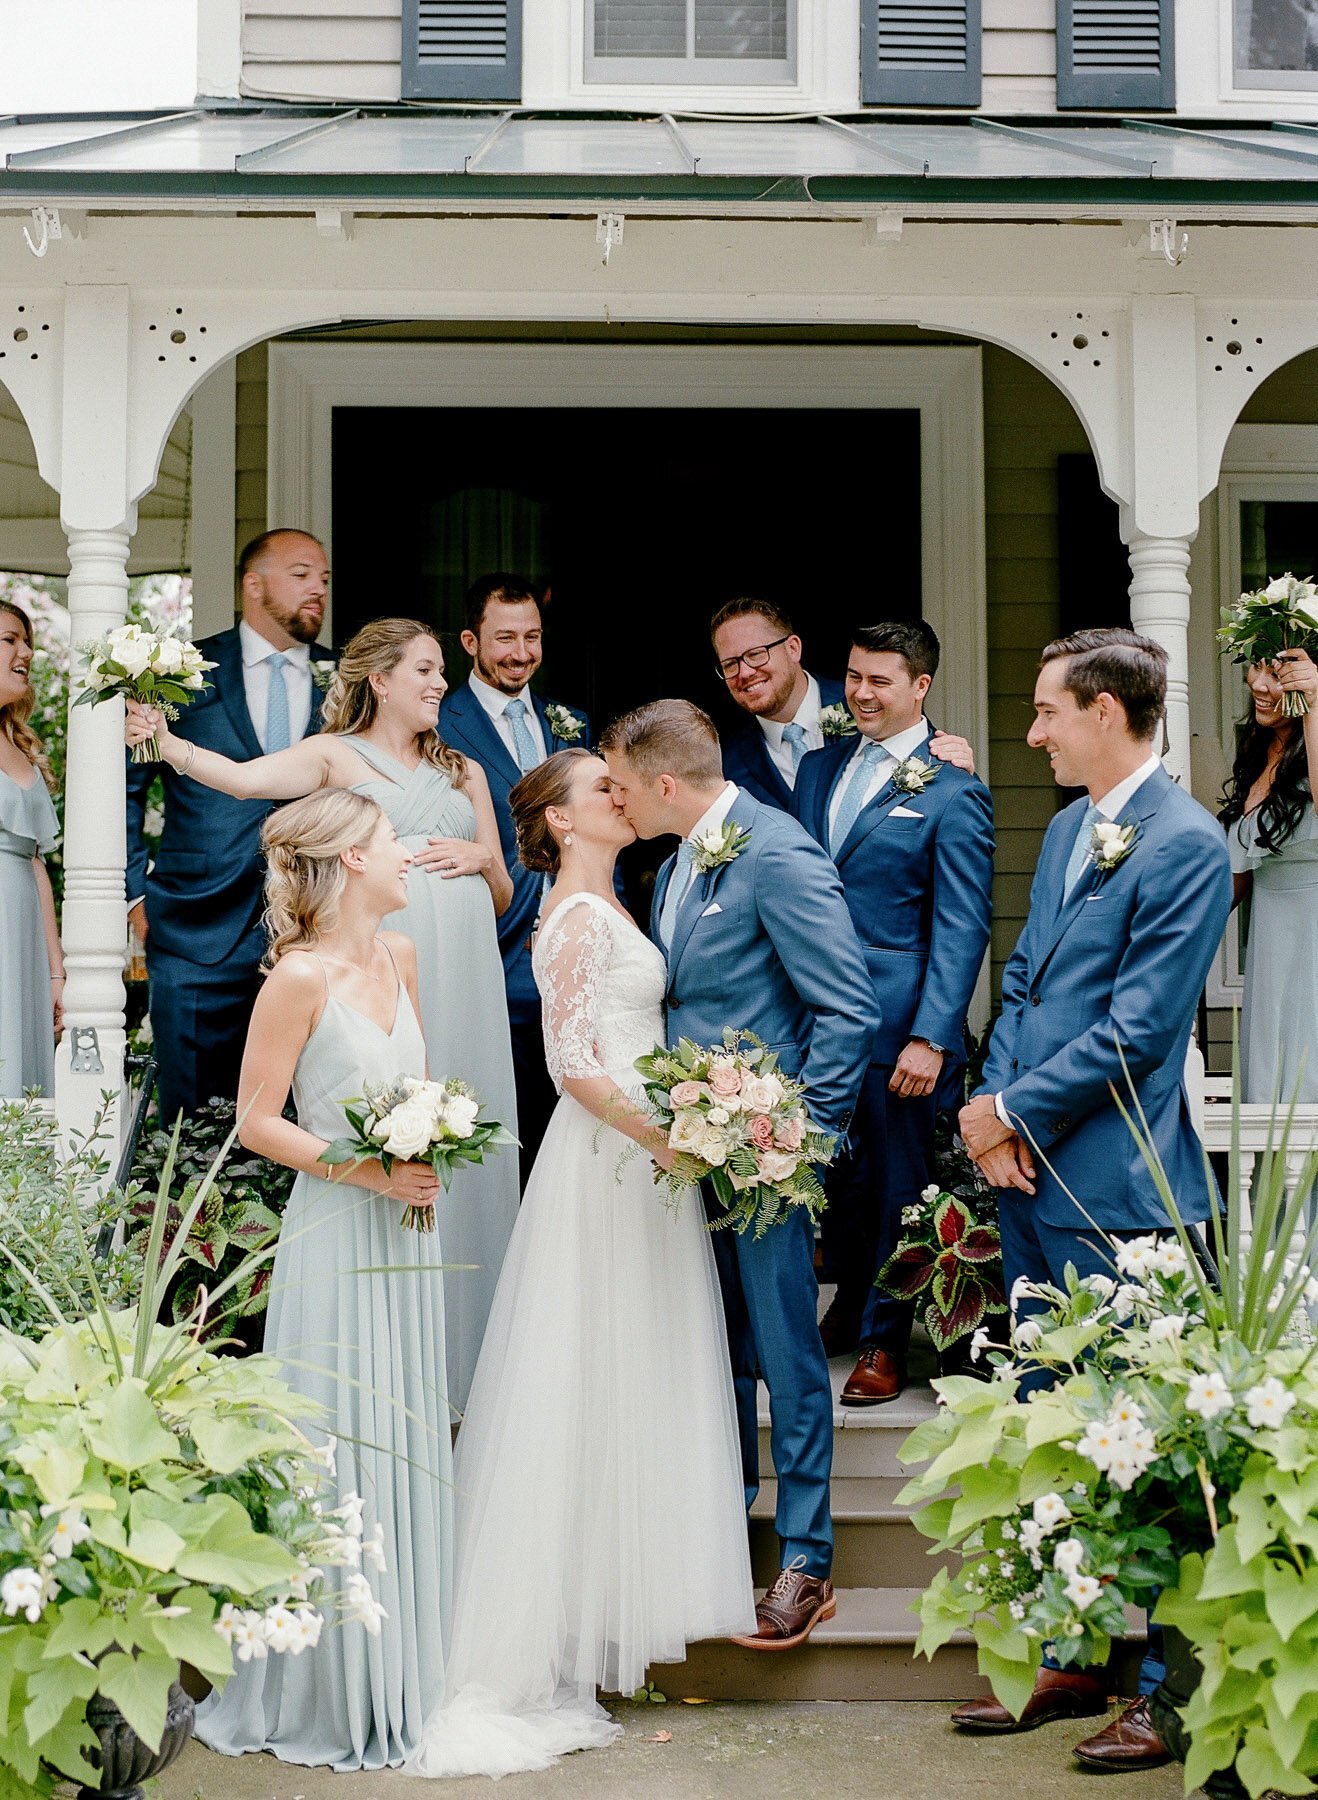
x=1002, y=1155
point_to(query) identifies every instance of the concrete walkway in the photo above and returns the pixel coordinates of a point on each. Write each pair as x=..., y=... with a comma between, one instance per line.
x=745, y=1750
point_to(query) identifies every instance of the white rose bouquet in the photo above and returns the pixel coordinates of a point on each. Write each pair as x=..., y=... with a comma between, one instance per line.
x=1281, y=616
x=736, y=1121
x=159, y=668
x=410, y=1120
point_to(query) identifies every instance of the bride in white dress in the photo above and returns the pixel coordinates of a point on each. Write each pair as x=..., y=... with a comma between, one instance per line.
x=601, y=1520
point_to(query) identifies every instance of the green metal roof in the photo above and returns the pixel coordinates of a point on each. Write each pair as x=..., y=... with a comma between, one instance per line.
x=411, y=155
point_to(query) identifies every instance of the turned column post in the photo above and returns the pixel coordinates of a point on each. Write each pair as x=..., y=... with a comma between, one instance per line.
x=1160, y=608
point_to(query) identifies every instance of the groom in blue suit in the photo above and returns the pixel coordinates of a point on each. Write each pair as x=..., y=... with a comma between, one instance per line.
x=198, y=910
x=1129, y=902
x=917, y=871
x=496, y=720
x=764, y=944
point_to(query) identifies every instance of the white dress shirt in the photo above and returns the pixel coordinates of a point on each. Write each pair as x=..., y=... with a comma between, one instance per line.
x=899, y=746
x=1113, y=803
x=495, y=703
x=256, y=681
x=806, y=714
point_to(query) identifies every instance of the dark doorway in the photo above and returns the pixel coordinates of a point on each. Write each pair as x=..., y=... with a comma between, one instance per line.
x=637, y=524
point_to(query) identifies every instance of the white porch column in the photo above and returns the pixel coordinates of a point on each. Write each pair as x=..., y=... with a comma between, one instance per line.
x=1160, y=608
x=99, y=521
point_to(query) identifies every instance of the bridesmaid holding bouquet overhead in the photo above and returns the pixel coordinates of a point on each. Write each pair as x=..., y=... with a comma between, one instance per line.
x=378, y=737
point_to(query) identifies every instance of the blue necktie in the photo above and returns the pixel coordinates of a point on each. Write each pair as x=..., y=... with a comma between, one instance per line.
x=277, y=733
x=794, y=738
x=528, y=757
x=854, y=798
x=1080, y=849
x=677, y=886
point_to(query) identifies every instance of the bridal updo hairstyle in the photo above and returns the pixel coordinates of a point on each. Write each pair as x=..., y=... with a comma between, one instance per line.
x=352, y=704
x=305, y=875
x=548, y=785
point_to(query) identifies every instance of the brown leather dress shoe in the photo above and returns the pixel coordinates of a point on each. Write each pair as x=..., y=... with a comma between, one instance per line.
x=876, y=1377
x=790, y=1609
x=1058, y=1694
x=1129, y=1742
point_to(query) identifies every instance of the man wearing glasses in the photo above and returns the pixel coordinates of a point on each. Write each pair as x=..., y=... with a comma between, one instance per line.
x=758, y=653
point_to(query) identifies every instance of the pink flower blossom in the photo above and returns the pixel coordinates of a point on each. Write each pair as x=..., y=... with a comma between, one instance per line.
x=686, y=1093
x=761, y=1131
x=790, y=1134
x=724, y=1077
x=776, y=1165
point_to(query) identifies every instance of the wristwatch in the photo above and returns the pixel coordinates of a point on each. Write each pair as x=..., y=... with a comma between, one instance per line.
x=938, y=1049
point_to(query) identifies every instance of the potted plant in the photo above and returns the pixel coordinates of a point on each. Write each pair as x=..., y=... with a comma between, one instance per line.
x=1172, y=1460
x=159, y=1504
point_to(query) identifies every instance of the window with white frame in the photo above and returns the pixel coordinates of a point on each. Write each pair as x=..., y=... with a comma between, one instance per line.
x=705, y=42
x=1276, y=44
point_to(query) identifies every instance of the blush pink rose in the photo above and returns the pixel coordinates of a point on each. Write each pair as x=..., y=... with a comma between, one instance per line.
x=686, y=1093
x=790, y=1134
x=761, y=1131
x=724, y=1078
x=775, y=1165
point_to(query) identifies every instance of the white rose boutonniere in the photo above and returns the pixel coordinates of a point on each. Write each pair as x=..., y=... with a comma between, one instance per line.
x=836, y=722
x=323, y=671
x=720, y=845
x=913, y=776
x=1110, y=844
x=566, y=726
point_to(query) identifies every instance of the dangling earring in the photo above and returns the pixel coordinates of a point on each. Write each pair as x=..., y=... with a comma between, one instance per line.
x=567, y=840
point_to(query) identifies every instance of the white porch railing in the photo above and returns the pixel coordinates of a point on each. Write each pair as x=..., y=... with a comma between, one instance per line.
x=1257, y=1126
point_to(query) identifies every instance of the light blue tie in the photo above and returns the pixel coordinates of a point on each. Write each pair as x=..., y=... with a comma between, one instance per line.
x=794, y=738
x=854, y=798
x=677, y=887
x=528, y=757
x=277, y=733
x=1080, y=849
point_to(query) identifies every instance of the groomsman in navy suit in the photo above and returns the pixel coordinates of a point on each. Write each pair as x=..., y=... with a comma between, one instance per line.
x=761, y=943
x=198, y=910
x=496, y=720
x=913, y=842
x=759, y=657
x=1099, y=998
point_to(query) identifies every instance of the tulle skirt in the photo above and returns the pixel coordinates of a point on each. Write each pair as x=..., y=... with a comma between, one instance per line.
x=601, y=1520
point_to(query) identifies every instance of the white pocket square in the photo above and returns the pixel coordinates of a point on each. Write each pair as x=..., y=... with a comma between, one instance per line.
x=711, y=909
x=904, y=812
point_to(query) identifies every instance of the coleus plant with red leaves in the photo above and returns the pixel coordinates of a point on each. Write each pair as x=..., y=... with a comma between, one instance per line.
x=949, y=1263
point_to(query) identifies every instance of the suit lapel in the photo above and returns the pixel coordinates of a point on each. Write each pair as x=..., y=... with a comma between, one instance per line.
x=770, y=774
x=483, y=734
x=233, y=690
x=870, y=815
x=697, y=897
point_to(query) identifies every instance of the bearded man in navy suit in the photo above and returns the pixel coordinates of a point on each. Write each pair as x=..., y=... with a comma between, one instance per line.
x=496, y=720
x=1129, y=902
x=913, y=842
x=198, y=910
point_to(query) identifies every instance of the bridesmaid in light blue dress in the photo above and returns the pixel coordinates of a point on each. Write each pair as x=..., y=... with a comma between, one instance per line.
x=357, y=1303
x=31, y=963
x=1272, y=834
x=378, y=737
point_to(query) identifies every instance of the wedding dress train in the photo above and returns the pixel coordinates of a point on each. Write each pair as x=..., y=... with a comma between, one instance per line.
x=601, y=1520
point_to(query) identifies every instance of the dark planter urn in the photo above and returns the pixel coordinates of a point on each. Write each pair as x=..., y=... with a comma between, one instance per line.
x=125, y=1761
x=1178, y=1685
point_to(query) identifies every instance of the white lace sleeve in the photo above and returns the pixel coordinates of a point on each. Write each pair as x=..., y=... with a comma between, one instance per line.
x=571, y=975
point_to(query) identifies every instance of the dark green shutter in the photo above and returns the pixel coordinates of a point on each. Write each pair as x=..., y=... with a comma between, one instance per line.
x=1115, y=55
x=920, y=52
x=462, y=49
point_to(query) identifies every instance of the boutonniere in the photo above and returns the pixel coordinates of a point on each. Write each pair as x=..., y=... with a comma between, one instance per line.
x=1110, y=844
x=836, y=722
x=718, y=846
x=913, y=776
x=565, y=726
x=323, y=671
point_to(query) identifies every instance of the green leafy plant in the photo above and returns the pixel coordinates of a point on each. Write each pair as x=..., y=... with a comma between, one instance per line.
x=158, y=1504
x=241, y=1213
x=1175, y=1453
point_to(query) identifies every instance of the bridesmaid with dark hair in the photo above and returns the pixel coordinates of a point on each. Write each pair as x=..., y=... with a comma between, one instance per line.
x=1272, y=833
x=31, y=960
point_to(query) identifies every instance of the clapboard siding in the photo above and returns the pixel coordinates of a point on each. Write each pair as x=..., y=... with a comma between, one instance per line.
x=1020, y=56
x=323, y=49
x=250, y=446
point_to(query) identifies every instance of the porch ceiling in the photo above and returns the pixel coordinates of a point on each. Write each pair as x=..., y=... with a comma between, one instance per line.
x=418, y=159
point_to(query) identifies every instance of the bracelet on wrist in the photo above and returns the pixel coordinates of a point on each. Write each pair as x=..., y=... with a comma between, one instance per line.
x=60, y=977
x=191, y=758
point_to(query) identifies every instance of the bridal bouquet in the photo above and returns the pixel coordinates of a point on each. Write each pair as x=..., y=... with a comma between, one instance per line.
x=739, y=1123
x=157, y=668
x=410, y=1120
x=1281, y=616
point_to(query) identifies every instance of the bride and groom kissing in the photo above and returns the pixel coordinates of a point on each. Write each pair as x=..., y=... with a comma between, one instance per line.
x=610, y=1446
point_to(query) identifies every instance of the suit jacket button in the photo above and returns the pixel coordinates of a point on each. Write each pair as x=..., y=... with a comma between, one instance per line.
x=1014, y=1063
x=673, y=1003
x=1034, y=999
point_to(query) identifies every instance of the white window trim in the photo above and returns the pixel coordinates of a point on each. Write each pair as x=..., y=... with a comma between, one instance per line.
x=945, y=385
x=827, y=67
x=1205, y=72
